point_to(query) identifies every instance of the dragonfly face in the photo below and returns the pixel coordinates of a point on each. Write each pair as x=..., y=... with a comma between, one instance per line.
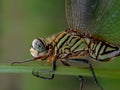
x=38, y=48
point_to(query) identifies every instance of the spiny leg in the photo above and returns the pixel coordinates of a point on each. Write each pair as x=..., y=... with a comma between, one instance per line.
x=37, y=74
x=91, y=69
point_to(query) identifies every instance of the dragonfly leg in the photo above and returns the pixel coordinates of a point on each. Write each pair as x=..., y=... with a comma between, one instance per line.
x=37, y=73
x=65, y=63
x=91, y=69
x=81, y=82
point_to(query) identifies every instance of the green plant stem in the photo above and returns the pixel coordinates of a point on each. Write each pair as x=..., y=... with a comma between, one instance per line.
x=61, y=70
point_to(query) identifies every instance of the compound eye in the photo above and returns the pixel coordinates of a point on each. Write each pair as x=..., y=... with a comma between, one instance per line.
x=38, y=45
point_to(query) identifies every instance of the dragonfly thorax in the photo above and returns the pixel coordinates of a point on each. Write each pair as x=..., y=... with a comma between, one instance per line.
x=79, y=44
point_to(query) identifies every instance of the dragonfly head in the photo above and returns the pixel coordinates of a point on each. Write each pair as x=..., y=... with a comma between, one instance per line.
x=38, y=48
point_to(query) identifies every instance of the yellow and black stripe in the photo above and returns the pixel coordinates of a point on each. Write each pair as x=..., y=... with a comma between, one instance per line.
x=102, y=51
x=66, y=43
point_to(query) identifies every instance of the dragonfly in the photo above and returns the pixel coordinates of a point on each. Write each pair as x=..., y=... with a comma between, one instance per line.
x=92, y=34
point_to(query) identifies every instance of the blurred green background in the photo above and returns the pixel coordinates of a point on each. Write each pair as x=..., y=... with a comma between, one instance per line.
x=23, y=20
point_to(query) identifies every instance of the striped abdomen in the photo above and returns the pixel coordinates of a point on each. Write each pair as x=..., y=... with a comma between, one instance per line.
x=101, y=51
x=66, y=44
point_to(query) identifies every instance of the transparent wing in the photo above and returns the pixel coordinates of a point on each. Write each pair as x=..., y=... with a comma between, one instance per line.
x=108, y=26
x=98, y=17
x=79, y=13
